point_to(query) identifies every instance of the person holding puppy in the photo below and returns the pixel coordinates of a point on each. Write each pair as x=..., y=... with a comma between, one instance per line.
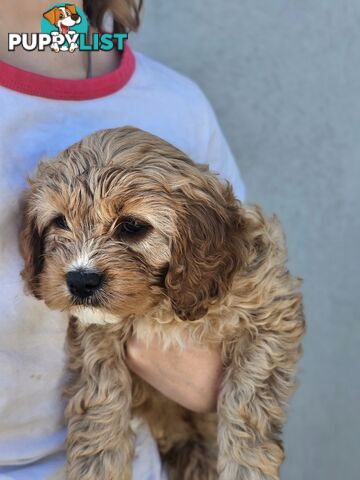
x=49, y=101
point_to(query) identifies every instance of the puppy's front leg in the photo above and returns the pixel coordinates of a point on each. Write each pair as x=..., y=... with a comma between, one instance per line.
x=100, y=440
x=73, y=46
x=256, y=387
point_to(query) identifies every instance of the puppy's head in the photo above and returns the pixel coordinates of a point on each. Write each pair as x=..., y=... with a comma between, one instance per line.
x=63, y=17
x=123, y=220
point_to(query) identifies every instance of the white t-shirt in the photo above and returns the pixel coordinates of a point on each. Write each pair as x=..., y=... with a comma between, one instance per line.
x=40, y=116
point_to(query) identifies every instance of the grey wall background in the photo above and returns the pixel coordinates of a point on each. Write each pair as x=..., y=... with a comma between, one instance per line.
x=284, y=79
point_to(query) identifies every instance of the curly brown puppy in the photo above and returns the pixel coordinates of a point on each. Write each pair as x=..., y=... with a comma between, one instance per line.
x=125, y=233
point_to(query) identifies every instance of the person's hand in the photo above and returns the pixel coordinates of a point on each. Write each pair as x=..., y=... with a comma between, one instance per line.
x=190, y=377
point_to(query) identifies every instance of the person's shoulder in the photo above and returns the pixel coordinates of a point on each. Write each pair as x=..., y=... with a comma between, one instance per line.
x=157, y=76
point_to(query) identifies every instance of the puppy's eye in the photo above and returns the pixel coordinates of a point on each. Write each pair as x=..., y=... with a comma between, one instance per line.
x=61, y=15
x=60, y=222
x=132, y=228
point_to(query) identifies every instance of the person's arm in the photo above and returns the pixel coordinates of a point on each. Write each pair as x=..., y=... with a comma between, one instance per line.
x=190, y=377
x=217, y=153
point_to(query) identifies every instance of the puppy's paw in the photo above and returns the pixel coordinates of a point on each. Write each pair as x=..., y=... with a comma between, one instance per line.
x=55, y=47
x=105, y=466
x=233, y=471
x=73, y=47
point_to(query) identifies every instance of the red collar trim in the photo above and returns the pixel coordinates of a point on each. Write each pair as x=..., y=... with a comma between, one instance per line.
x=60, y=89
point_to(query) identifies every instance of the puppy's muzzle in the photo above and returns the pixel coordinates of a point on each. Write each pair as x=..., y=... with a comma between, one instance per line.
x=82, y=283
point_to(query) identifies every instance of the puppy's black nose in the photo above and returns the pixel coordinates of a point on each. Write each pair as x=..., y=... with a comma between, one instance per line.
x=82, y=283
x=74, y=16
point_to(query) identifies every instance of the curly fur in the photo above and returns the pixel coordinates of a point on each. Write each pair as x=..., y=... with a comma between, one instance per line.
x=208, y=271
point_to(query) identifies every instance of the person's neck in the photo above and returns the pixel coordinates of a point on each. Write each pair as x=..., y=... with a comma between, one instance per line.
x=60, y=65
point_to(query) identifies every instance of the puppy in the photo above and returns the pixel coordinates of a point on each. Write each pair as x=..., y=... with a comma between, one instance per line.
x=63, y=18
x=129, y=236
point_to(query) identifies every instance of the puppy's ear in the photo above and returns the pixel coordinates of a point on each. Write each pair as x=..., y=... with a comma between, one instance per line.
x=31, y=248
x=50, y=16
x=72, y=8
x=208, y=249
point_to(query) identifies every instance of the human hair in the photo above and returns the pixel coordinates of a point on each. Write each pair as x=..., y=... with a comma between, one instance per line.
x=126, y=13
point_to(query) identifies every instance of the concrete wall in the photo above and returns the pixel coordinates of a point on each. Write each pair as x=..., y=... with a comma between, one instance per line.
x=284, y=79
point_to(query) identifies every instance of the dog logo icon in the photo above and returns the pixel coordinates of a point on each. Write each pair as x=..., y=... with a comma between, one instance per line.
x=65, y=28
x=64, y=19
